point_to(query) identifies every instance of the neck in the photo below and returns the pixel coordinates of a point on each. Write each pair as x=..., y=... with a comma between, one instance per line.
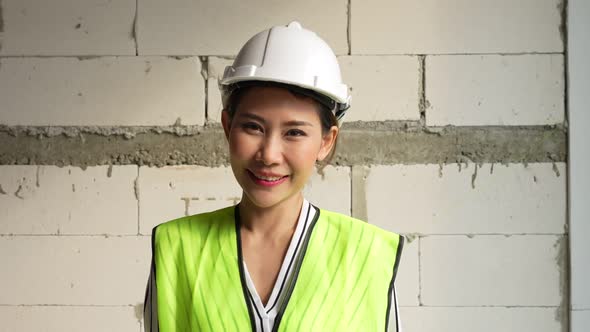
x=270, y=221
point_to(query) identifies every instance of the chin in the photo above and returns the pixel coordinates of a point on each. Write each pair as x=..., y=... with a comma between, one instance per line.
x=263, y=199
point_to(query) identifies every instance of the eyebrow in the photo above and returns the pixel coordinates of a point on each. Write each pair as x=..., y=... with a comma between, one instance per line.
x=298, y=123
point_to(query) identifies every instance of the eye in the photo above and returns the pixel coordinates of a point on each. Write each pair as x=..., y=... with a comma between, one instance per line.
x=251, y=127
x=296, y=132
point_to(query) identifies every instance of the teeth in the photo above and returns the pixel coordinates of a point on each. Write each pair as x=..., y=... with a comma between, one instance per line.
x=265, y=178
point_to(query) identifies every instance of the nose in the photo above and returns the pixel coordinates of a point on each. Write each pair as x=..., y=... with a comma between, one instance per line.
x=270, y=151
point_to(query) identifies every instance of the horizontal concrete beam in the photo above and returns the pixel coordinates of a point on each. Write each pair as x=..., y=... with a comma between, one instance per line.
x=360, y=144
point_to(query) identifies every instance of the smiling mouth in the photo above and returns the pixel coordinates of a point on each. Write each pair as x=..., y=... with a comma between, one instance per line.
x=267, y=180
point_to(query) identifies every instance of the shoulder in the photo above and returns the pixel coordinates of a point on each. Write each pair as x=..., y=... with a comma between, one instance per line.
x=339, y=219
x=348, y=224
x=206, y=219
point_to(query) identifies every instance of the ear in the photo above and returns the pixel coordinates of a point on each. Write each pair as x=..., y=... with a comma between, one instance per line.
x=328, y=141
x=226, y=123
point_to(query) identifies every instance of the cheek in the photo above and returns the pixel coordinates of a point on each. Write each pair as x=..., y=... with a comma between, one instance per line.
x=238, y=145
x=306, y=154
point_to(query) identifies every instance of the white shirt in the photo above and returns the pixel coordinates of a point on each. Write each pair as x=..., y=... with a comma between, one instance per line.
x=265, y=315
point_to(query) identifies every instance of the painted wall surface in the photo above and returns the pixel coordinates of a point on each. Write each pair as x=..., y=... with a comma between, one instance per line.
x=457, y=138
x=579, y=162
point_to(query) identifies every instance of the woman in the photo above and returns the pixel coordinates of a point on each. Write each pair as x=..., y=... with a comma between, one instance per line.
x=275, y=262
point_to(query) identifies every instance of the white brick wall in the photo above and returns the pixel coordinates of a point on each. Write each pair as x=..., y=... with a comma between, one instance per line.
x=67, y=27
x=502, y=90
x=101, y=91
x=481, y=319
x=74, y=270
x=494, y=262
x=216, y=66
x=490, y=270
x=407, y=282
x=68, y=318
x=171, y=192
x=330, y=191
x=383, y=87
x=454, y=26
x=50, y=200
x=433, y=199
x=188, y=27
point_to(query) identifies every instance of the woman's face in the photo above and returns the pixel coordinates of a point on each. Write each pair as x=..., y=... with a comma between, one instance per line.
x=275, y=139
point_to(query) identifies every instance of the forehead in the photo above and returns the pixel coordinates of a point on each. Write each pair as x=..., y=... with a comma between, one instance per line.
x=277, y=99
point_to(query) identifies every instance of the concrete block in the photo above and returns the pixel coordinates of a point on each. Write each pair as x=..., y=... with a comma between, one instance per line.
x=481, y=319
x=330, y=191
x=106, y=91
x=468, y=199
x=215, y=69
x=171, y=192
x=66, y=27
x=68, y=319
x=407, y=282
x=493, y=270
x=456, y=26
x=498, y=90
x=68, y=200
x=383, y=87
x=74, y=270
x=194, y=27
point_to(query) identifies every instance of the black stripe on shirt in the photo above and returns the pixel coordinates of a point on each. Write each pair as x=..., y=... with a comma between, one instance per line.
x=301, y=236
x=400, y=245
x=289, y=290
x=257, y=312
x=241, y=266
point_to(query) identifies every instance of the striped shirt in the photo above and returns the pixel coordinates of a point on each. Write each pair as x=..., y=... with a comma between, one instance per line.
x=264, y=314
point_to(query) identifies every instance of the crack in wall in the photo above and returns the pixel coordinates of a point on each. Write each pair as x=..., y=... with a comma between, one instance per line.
x=136, y=193
x=348, y=27
x=420, y=271
x=134, y=28
x=1, y=24
x=205, y=74
x=562, y=9
x=1, y=18
x=423, y=104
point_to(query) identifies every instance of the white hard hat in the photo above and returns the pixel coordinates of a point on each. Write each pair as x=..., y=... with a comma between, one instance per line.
x=293, y=56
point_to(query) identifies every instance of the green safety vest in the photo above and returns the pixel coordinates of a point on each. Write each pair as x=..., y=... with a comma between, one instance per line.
x=343, y=282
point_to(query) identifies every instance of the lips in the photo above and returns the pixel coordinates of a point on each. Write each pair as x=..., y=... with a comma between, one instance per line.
x=267, y=179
